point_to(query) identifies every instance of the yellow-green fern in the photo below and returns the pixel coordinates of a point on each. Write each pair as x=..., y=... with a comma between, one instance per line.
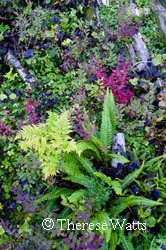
x=50, y=141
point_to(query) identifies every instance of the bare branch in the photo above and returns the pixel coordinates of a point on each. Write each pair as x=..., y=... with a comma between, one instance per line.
x=12, y=61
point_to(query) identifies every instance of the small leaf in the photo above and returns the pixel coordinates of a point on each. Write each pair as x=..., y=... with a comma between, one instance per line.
x=3, y=97
x=2, y=231
x=89, y=13
x=157, y=60
x=104, y=178
x=76, y=196
x=57, y=192
x=25, y=228
x=119, y=157
x=134, y=81
x=116, y=186
x=66, y=42
x=12, y=96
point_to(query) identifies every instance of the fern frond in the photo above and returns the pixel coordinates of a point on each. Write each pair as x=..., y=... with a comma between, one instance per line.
x=131, y=177
x=76, y=196
x=88, y=145
x=116, y=185
x=86, y=165
x=108, y=124
x=50, y=141
x=70, y=165
x=124, y=202
x=54, y=194
x=30, y=131
x=127, y=244
x=80, y=179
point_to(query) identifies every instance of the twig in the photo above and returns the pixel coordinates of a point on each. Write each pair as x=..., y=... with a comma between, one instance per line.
x=3, y=18
x=12, y=61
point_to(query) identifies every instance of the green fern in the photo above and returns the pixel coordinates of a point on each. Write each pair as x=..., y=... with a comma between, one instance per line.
x=89, y=146
x=124, y=202
x=116, y=185
x=55, y=193
x=108, y=124
x=131, y=177
x=127, y=244
x=86, y=165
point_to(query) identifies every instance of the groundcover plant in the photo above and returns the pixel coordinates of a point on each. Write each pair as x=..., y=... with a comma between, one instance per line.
x=82, y=125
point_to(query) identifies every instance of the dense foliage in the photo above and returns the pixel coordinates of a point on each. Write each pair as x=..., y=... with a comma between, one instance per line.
x=57, y=133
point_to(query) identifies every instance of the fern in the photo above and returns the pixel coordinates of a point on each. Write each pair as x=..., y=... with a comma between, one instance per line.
x=86, y=165
x=127, y=244
x=70, y=165
x=54, y=194
x=89, y=146
x=124, y=202
x=131, y=177
x=80, y=179
x=116, y=186
x=108, y=124
x=102, y=217
x=76, y=196
x=50, y=142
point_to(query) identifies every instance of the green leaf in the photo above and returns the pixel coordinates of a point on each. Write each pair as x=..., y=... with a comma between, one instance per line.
x=134, y=81
x=80, y=179
x=65, y=213
x=157, y=60
x=108, y=123
x=12, y=96
x=51, y=141
x=76, y=196
x=88, y=145
x=89, y=13
x=131, y=177
x=151, y=221
x=25, y=228
x=2, y=231
x=155, y=163
x=119, y=157
x=126, y=243
x=54, y=194
x=116, y=186
x=3, y=97
x=86, y=165
x=104, y=178
x=125, y=202
x=103, y=218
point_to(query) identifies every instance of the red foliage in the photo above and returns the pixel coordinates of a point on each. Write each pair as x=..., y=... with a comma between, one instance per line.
x=30, y=109
x=128, y=29
x=4, y=130
x=117, y=82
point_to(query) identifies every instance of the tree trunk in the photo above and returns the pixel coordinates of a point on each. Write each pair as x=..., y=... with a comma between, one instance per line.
x=139, y=48
x=160, y=12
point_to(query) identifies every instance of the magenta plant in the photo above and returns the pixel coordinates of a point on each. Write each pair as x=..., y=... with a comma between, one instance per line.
x=80, y=121
x=117, y=82
x=30, y=110
x=128, y=29
x=5, y=130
